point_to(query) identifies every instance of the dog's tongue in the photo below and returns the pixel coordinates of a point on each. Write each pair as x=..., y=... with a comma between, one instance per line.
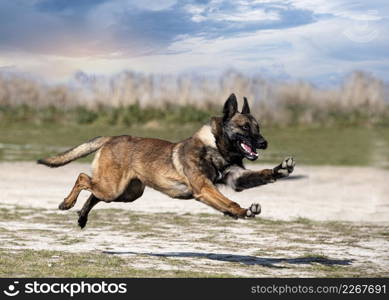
x=248, y=148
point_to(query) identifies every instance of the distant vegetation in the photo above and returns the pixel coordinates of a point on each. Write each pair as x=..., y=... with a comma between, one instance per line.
x=338, y=126
x=103, y=115
x=131, y=98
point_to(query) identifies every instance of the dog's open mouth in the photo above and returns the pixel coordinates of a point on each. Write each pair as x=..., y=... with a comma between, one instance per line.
x=248, y=151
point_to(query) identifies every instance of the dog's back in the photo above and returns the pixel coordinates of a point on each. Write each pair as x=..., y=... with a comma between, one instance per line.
x=125, y=157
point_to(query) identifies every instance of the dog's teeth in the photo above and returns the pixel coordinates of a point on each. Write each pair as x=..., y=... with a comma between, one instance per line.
x=248, y=149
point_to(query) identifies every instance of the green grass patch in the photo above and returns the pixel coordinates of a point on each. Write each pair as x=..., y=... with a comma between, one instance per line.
x=321, y=146
x=28, y=133
x=313, y=146
x=104, y=115
x=41, y=263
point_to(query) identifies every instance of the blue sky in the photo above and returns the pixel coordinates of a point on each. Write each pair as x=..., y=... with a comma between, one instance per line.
x=317, y=40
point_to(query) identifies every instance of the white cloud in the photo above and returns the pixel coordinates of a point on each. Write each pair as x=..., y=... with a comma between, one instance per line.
x=196, y=11
x=336, y=44
x=242, y=11
x=307, y=51
x=356, y=10
x=248, y=15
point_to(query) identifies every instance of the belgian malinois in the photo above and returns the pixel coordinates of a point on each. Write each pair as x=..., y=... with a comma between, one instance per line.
x=125, y=165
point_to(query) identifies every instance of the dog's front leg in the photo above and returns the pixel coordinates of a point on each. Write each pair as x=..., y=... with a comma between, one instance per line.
x=240, y=179
x=204, y=191
x=210, y=195
x=285, y=168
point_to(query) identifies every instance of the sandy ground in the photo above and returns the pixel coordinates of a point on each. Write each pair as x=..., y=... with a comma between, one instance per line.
x=358, y=196
x=318, y=193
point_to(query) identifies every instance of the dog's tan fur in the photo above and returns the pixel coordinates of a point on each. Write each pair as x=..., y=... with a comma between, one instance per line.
x=125, y=165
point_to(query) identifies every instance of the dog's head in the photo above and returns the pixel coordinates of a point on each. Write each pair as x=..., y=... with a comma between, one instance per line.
x=242, y=129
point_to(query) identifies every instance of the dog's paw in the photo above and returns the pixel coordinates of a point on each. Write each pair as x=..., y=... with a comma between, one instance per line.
x=229, y=214
x=82, y=220
x=285, y=168
x=253, y=210
x=64, y=205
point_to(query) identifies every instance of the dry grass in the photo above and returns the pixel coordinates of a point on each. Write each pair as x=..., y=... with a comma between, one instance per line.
x=140, y=244
x=360, y=99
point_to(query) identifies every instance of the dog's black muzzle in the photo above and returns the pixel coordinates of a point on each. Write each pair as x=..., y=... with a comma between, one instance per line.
x=261, y=143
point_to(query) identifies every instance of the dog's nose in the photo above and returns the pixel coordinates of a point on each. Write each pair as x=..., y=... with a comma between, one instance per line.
x=262, y=144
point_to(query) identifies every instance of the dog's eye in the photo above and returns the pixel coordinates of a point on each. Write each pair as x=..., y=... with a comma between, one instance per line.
x=245, y=127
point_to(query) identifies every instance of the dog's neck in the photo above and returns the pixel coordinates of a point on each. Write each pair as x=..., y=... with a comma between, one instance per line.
x=206, y=136
x=225, y=146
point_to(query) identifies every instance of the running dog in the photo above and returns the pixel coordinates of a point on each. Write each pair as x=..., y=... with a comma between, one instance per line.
x=124, y=165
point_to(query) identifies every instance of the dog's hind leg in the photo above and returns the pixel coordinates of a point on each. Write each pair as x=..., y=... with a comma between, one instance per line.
x=133, y=191
x=83, y=213
x=83, y=182
x=102, y=189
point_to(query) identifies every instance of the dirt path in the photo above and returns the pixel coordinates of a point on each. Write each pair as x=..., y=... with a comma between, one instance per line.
x=317, y=193
x=323, y=221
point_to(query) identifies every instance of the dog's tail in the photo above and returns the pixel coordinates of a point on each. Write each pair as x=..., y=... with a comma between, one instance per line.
x=75, y=153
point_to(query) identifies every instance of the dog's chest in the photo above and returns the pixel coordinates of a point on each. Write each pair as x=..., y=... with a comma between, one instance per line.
x=182, y=190
x=176, y=189
x=213, y=165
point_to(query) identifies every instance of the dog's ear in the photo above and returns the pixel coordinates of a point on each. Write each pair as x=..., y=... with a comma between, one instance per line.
x=230, y=107
x=246, y=107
